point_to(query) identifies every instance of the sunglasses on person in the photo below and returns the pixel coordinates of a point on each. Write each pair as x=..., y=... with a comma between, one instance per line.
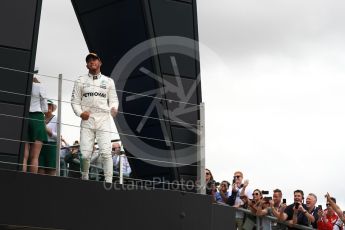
x=328, y=204
x=207, y=173
x=256, y=194
x=237, y=176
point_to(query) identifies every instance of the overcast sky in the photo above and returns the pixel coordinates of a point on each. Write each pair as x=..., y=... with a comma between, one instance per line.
x=273, y=89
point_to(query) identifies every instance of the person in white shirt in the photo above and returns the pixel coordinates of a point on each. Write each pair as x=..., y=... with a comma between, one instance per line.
x=126, y=168
x=36, y=134
x=239, y=190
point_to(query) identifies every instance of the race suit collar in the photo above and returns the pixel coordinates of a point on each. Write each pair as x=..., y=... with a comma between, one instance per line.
x=95, y=77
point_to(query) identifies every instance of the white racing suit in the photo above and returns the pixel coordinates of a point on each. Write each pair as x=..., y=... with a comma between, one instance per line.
x=97, y=95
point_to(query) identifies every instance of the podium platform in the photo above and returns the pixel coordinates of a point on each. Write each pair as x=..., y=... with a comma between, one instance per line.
x=47, y=202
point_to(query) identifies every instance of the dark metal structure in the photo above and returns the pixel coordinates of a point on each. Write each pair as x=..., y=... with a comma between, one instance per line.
x=164, y=71
x=64, y=203
x=19, y=23
x=168, y=74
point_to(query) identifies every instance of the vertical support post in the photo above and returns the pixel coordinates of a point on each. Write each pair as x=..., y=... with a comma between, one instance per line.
x=258, y=227
x=201, y=151
x=121, y=168
x=58, y=140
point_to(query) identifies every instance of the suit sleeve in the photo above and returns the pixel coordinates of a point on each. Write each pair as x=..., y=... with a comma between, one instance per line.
x=76, y=97
x=232, y=198
x=113, y=100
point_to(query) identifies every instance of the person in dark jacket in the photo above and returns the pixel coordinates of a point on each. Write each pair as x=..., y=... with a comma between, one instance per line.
x=73, y=160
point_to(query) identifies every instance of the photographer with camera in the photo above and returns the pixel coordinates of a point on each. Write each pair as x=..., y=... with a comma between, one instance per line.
x=296, y=212
x=257, y=202
x=223, y=194
x=239, y=189
x=272, y=209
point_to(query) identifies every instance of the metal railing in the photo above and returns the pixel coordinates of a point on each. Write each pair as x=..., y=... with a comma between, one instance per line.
x=268, y=222
x=265, y=222
x=200, y=127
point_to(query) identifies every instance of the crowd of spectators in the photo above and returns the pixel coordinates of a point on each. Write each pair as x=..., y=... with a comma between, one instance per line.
x=252, y=203
x=70, y=161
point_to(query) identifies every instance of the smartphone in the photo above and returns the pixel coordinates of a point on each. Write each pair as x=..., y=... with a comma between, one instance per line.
x=296, y=205
x=320, y=207
x=284, y=201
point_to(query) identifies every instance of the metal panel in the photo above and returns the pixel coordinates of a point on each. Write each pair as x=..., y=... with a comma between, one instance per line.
x=11, y=127
x=173, y=18
x=19, y=22
x=112, y=28
x=131, y=207
x=14, y=84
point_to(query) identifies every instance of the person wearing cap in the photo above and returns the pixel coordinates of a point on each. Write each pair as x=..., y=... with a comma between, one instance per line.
x=47, y=159
x=93, y=100
x=36, y=134
x=72, y=158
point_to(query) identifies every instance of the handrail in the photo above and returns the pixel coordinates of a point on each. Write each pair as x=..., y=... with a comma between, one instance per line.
x=271, y=218
x=274, y=219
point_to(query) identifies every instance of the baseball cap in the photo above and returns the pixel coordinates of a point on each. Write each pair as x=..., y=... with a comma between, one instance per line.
x=91, y=55
x=50, y=102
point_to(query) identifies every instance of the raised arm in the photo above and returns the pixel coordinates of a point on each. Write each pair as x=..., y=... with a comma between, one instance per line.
x=261, y=211
x=335, y=207
x=282, y=215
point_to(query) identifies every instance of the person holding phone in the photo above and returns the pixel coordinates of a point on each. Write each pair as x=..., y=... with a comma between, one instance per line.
x=310, y=212
x=335, y=207
x=292, y=213
x=328, y=219
x=223, y=194
x=273, y=209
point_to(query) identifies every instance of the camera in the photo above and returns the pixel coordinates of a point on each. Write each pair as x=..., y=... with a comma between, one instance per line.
x=296, y=205
x=267, y=199
x=234, y=180
x=284, y=201
x=320, y=207
x=263, y=192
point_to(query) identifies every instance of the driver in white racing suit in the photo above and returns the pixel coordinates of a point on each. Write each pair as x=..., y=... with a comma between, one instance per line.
x=94, y=99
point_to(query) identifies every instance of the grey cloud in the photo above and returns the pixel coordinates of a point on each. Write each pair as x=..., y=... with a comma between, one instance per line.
x=269, y=26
